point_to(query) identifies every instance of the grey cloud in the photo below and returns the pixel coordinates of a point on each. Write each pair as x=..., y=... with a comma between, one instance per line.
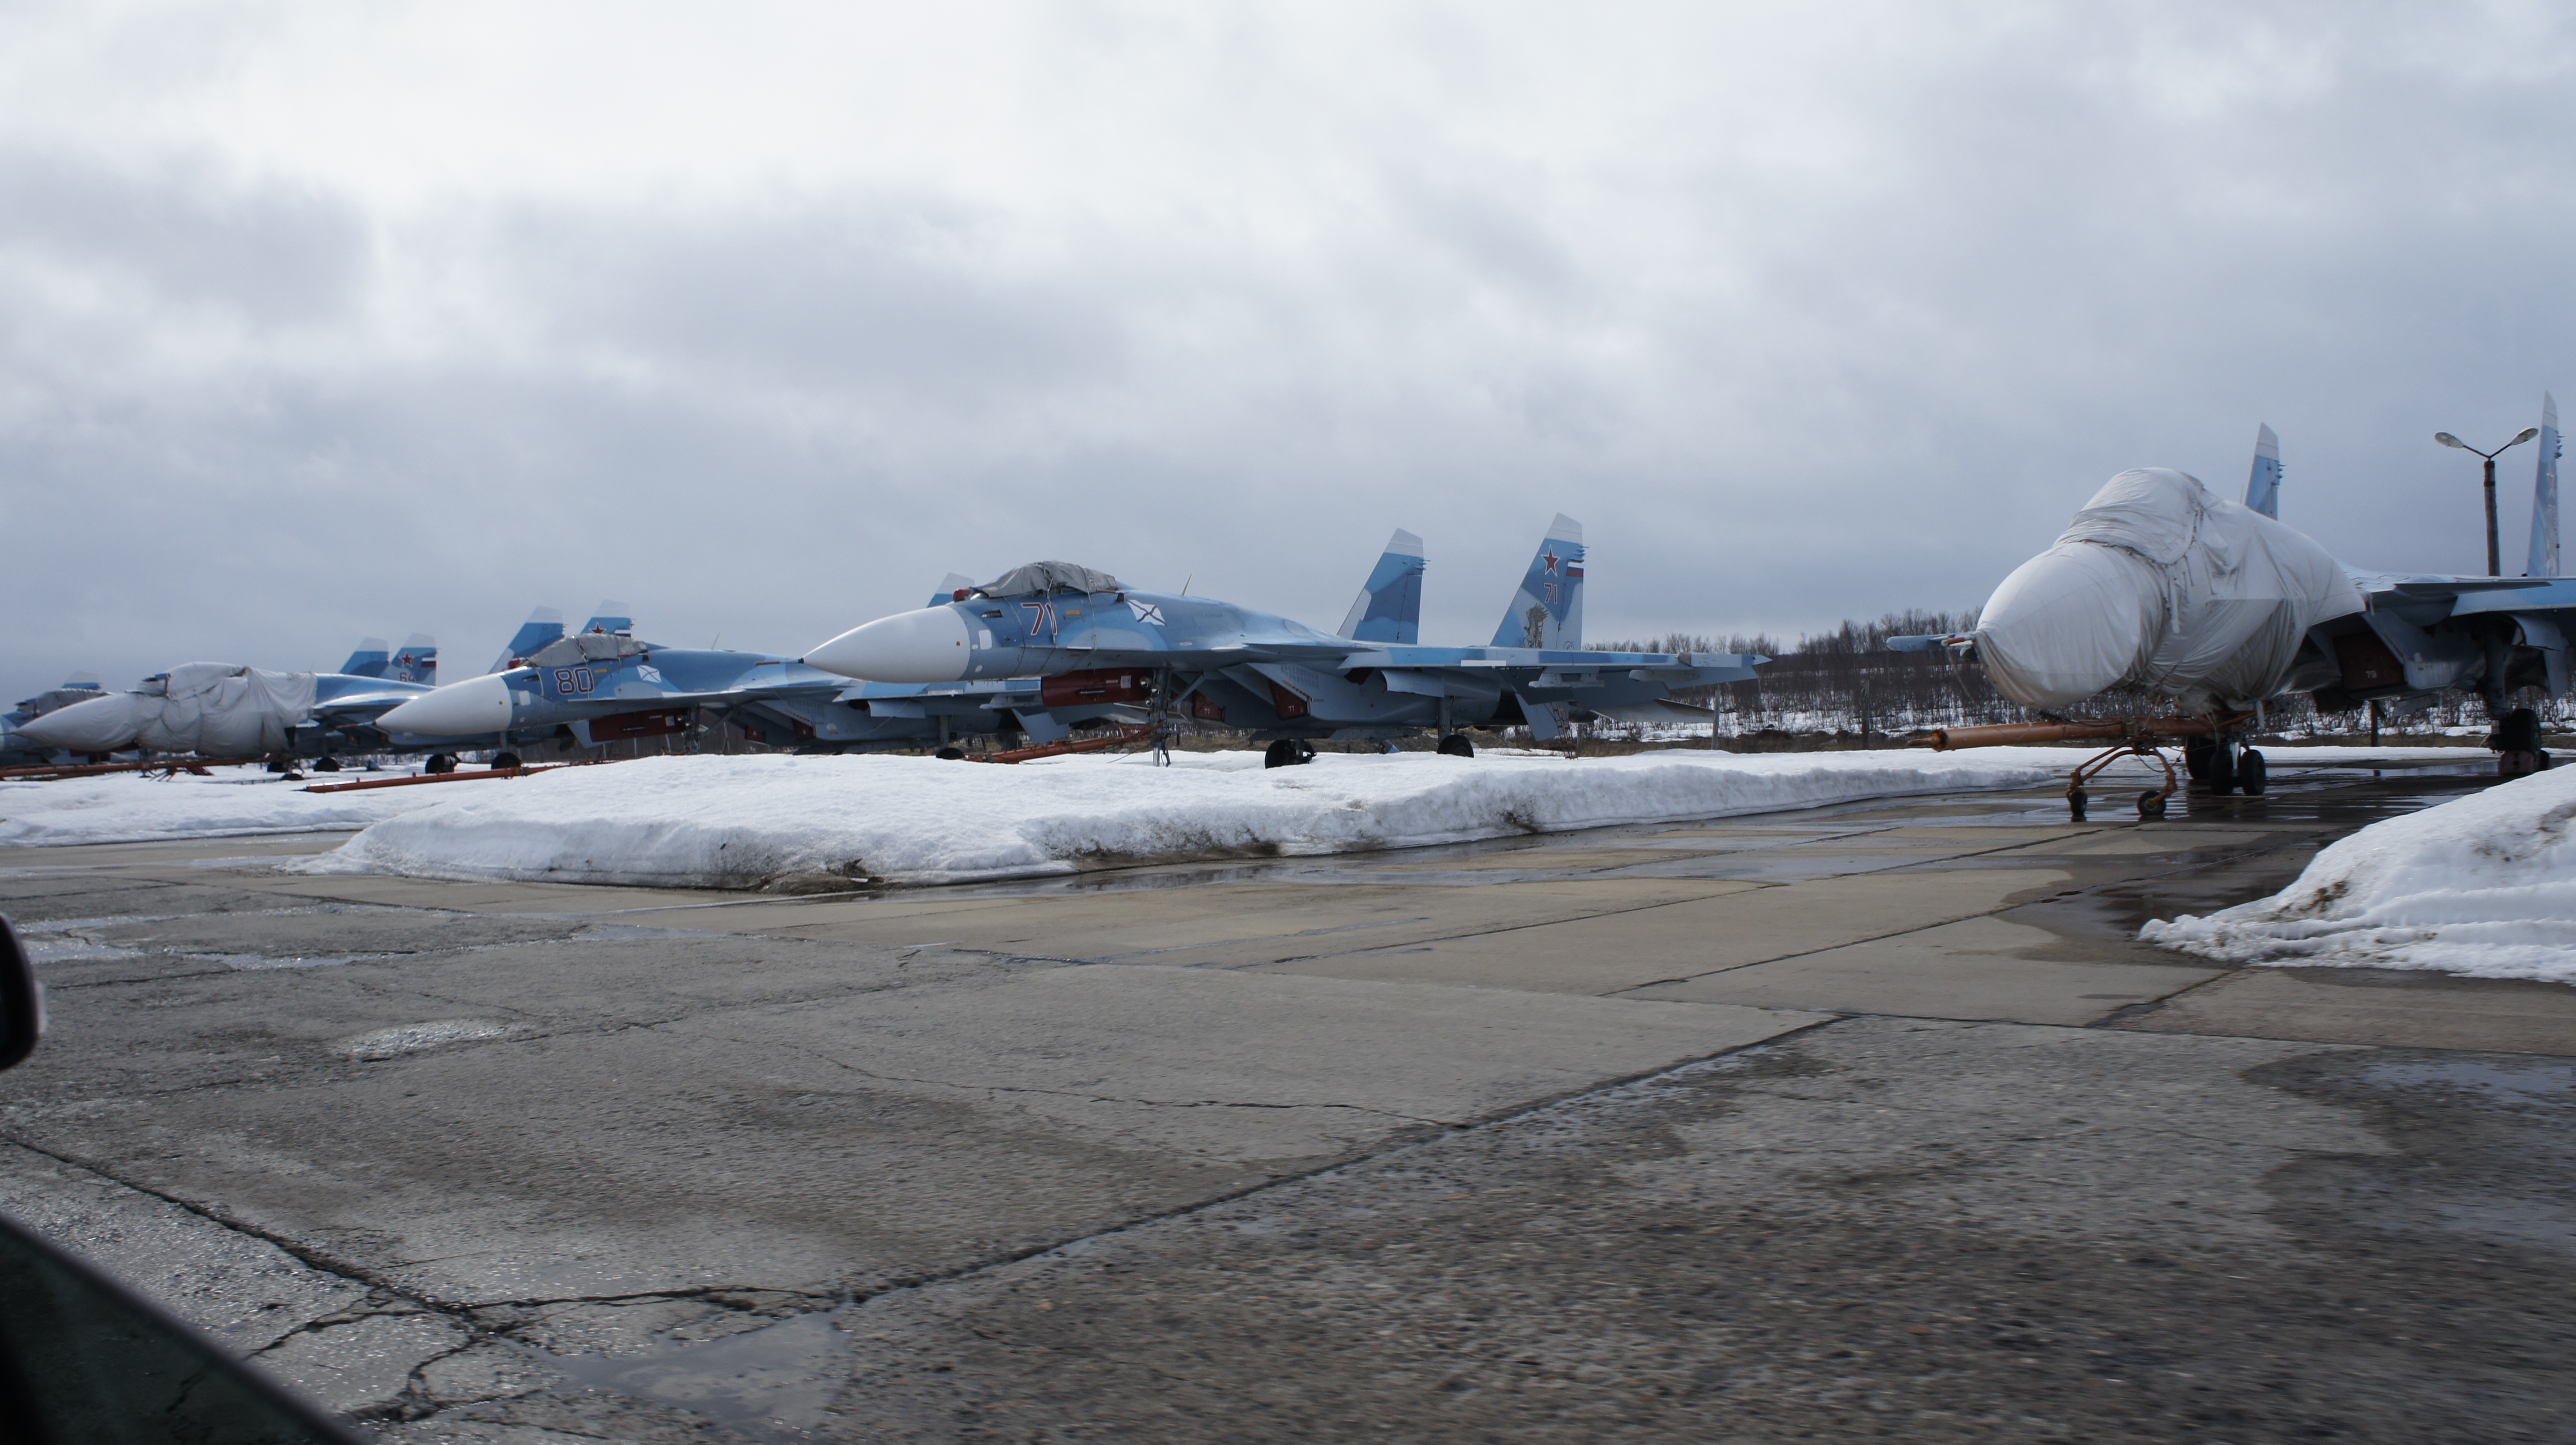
x=182, y=234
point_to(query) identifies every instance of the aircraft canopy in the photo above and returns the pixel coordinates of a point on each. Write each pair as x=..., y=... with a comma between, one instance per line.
x=1035, y=577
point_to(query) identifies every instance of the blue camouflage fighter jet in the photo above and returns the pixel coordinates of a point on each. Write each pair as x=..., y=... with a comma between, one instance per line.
x=602, y=685
x=1280, y=679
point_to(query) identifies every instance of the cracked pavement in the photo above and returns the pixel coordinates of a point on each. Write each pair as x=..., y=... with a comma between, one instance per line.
x=1861, y=1123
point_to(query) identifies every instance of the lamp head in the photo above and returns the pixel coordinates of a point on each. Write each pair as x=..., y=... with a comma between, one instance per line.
x=2526, y=434
x=2448, y=440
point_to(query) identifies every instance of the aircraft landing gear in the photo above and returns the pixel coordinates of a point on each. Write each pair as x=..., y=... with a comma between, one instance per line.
x=1456, y=746
x=501, y=761
x=438, y=763
x=952, y=755
x=1288, y=753
x=2252, y=774
x=327, y=765
x=2196, y=753
x=2151, y=804
x=2516, y=741
x=2222, y=769
x=2075, y=802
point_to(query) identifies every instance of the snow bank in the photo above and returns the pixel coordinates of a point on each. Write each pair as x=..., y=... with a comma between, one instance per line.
x=2483, y=885
x=129, y=808
x=749, y=821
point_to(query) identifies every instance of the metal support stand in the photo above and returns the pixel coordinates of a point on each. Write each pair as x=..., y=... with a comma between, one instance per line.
x=2151, y=804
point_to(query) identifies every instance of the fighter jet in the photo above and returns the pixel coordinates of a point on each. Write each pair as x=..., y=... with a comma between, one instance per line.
x=1279, y=679
x=2221, y=609
x=603, y=685
x=18, y=750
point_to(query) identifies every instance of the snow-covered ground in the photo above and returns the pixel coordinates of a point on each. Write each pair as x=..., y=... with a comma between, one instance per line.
x=2483, y=885
x=746, y=821
x=131, y=808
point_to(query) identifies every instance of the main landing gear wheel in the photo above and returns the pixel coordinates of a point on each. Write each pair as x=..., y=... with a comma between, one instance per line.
x=438, y=763
x=502, y=761
x=2222, y=770
x=953, y=755
x=327, y=765
x=2195, y=757
x=1456, y=746
x=2252, y=774
x=1288, y=753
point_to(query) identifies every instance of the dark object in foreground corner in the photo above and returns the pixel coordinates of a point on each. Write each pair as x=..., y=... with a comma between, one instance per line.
x=85, y=1359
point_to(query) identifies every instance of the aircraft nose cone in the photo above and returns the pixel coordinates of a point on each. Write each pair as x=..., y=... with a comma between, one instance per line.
x=100, y=725
x=2068, y=623
x=928, y=645
x=476, y=705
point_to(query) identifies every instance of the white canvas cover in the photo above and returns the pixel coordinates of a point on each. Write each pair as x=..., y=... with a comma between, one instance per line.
x=2159, y=584
x=222, y=710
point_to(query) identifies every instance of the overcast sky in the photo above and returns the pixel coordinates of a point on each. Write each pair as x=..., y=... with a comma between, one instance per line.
x=325, y=320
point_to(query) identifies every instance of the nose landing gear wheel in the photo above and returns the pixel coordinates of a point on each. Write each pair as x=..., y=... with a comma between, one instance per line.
x=2151, y=804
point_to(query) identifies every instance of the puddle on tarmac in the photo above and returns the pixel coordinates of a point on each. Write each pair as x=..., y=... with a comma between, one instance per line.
x=775, y=1382
x=2545, y=1083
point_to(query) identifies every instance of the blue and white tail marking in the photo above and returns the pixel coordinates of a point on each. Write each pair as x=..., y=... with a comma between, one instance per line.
x=370, y=659
x=417, y=662
x=2263, y=489
x=1547, y=611
x=1389, y=607
x=2544, y=494
x=543, y=626
x=610, y=618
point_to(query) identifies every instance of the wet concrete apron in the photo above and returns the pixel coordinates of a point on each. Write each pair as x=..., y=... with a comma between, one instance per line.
x=1868, y=1122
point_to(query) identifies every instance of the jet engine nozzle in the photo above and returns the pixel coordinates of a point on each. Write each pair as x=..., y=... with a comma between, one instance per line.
x=930, y=644
x=101, y=725
x=476, y=705
x=2068, y=623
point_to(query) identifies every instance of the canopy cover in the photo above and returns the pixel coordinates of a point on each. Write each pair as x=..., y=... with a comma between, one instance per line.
x=1050, y=577
x=2160, y=585
x=221, y=710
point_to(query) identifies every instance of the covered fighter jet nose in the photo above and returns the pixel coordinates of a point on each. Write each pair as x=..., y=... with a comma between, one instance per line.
x=929, y=645
x=2068, y=623
x=476, y=705
x=101, y=725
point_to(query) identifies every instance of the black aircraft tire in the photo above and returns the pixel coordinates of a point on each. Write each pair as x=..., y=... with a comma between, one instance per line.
x=1280, y=754
x=2222, y=771
x=953, y=755
x=2195, y=758
x=2252, y=774
x=1305, y=751
x=438, y=763
x=2075, y=802
x=327, y=765
x=2151, y=804
x=1456, y=745
x=501, y=761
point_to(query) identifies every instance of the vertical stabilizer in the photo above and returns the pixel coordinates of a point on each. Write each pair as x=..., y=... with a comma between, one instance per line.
x=1389, y=607
x=947, y=592
x=2263, y=489
x=543, y=626
x=2544, y=494
x=1547, y=611
x=610, y=618
x=417, y=662
x=370, y=658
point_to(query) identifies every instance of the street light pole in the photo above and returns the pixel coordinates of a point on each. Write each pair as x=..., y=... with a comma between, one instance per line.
x=2495, y=558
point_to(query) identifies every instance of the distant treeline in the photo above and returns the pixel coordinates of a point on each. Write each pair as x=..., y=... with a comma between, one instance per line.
x=1846, y=681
